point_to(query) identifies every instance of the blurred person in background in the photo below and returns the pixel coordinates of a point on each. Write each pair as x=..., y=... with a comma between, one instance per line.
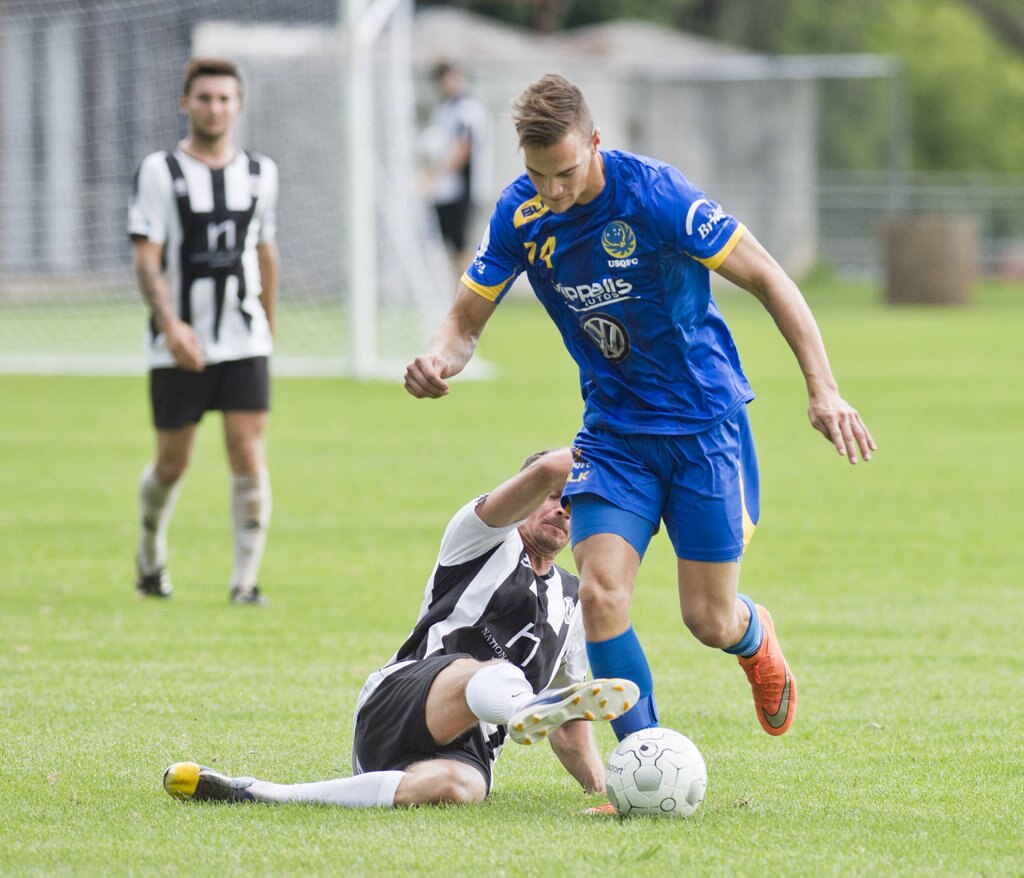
x=459, y=148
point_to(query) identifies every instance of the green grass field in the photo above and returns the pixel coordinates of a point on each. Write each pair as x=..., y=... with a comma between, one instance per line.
x=896, y=587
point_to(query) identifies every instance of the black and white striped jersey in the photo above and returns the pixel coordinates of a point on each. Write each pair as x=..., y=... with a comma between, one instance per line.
x=210, y=221
x=485, y=599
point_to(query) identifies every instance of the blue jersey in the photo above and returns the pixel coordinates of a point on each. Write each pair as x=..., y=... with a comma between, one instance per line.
x=626, y=280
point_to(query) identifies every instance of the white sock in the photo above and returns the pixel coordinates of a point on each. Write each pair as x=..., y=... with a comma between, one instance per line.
x=250, y=516
x=156, y=505
x=496, y=692
x=373, y=789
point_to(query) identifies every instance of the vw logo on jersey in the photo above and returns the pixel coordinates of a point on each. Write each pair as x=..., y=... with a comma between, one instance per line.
x=570, y=608
x=618, y=240
x=609, y=335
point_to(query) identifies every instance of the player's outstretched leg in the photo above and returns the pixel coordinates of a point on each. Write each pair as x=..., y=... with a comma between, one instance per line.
x=771, y=680
x=604, y=699
x=187, y=780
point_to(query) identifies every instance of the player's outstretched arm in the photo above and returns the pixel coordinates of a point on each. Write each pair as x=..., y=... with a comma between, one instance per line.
x=751, y=267
x=451, y=346
x=522, y=494
x=575, y=748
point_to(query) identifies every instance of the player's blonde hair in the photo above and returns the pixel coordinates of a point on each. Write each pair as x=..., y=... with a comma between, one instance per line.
x=548, y=110
x=209, y=67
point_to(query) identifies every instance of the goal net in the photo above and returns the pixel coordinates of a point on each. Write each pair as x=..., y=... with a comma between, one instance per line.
x=87, y=89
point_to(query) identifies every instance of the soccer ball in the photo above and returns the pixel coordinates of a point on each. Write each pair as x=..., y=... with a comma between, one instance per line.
x=656, y=773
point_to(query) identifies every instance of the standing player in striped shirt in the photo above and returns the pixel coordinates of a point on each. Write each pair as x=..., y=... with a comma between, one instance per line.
x=459, y=140
x=202, y=224
x=618, y=249
x=497, y=651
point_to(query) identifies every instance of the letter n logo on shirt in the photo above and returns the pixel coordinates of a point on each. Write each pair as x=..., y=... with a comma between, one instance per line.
x=221, y=236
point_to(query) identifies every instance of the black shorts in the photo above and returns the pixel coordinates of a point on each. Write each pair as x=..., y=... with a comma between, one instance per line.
x=391, y=726
x=179, y=397
x=452, y=219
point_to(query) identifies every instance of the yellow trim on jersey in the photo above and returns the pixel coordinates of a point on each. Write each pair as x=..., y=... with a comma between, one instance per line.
x=489, y=293
x=713, y=262
x=748, y=528
x=528, y=211
x=748, y=522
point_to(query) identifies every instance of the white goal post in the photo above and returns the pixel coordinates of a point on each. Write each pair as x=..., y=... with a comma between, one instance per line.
x=365, y=20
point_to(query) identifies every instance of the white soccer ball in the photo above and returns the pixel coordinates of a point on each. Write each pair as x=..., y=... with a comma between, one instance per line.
x=656, y=773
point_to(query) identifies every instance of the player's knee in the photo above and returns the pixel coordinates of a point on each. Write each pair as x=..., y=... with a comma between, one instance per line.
x=458, y=785
x=440, y=781
x=170, y=469
x=603, y=598
x=245, y=456
x=711, y=629
x=462, y=791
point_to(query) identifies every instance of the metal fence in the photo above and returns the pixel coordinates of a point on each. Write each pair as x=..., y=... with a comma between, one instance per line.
x=853, y=209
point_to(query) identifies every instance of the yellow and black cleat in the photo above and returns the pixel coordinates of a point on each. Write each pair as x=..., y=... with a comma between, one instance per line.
x=187, y=780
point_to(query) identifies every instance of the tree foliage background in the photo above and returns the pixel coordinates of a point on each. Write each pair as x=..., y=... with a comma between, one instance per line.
x=964, y=58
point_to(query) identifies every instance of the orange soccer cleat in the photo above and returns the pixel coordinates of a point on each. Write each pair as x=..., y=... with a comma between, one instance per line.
x=773, y=684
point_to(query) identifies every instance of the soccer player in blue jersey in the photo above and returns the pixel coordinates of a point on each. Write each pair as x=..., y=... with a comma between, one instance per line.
x=618, y=248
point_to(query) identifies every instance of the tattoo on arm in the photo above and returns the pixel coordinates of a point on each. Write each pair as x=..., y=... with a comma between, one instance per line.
x=153, y=286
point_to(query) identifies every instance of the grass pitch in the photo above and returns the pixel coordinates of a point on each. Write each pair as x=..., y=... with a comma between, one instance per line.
x=895, y=586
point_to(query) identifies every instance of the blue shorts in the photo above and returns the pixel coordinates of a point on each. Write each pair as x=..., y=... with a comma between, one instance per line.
x=704, y=486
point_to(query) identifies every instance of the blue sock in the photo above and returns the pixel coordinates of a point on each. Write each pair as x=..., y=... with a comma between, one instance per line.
x=623, y=656
x=750, y=642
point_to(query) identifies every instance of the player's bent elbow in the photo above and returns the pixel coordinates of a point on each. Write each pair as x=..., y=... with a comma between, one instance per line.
x=555, y=466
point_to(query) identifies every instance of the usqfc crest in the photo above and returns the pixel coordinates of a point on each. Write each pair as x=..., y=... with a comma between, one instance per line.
x=618, y=240
x=609, y=335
